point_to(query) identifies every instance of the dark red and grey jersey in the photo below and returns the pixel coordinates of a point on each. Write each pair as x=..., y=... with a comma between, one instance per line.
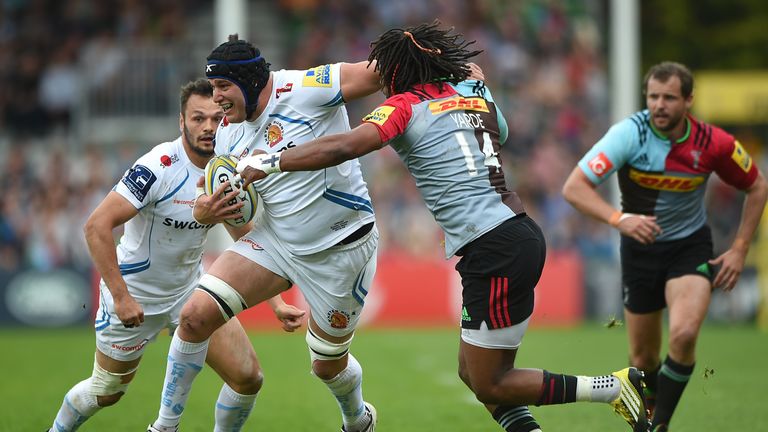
x=666, y=179
x=450, y=141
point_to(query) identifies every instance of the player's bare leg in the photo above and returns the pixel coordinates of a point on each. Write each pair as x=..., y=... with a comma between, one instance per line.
x=491, y=375
x=234, y=282
x=688, y=300
x=231, y=355
x=644, y=335
x=342, y=374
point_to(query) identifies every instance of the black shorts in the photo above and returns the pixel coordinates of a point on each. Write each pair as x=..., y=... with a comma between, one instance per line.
x=645, y=269
x=499, y=271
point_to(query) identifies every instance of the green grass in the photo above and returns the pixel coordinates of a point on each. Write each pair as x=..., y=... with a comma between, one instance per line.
x=410, y=375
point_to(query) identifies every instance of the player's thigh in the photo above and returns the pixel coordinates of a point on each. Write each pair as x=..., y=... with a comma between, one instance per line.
x=231, y=354
x=643, y=275
x=499, y=272
x=688, y=299
x=118, y=366
x=335, y=283
x=247, y=276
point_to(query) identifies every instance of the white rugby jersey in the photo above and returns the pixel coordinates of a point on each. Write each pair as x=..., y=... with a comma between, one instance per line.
x=160, y=252
x=307, y=211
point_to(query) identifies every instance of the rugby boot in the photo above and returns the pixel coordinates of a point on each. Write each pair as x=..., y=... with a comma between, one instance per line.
x=630, y=404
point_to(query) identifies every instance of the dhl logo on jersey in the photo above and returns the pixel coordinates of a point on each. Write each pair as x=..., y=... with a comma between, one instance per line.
x=379, y=115
x=741, y=157
x=666, y=182
x=458, y=103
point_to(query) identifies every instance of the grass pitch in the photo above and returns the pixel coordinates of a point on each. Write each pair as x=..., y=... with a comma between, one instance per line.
x=410, y=376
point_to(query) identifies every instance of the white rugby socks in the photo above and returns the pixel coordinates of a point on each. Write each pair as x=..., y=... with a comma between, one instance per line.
x=232, y=409
x=78, y=406
x=597, y=389
x=347, y=388
x=185, y=361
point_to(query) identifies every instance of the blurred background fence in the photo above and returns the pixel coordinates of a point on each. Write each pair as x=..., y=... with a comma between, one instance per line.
x=88, y=85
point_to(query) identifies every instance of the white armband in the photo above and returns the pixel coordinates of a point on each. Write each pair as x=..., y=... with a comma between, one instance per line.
x=267, y=162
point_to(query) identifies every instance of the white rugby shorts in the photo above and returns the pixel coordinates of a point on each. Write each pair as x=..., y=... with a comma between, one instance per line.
x=334, y=281
x=116, y=341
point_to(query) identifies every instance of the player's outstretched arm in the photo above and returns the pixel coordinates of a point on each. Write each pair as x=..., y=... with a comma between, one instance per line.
x=113, y=211
x=359, y=80
x=582, y=194
x=731, y=262
x=319, y=153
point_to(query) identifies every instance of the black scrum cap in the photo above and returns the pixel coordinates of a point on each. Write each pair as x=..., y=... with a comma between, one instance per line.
x=241, y=63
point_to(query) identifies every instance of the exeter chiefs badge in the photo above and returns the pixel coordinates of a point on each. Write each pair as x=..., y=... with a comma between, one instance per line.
x=338, y=319
x=274, y=133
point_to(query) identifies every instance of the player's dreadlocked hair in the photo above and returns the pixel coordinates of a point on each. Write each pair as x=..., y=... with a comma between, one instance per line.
x=240, y=62
x=420, y=55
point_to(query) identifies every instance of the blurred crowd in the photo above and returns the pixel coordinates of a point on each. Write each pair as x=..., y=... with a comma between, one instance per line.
x=543, y=59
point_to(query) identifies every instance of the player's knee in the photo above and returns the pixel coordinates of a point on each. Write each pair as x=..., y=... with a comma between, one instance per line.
x=108, y=387
x=248, y=382
x=684, y=338
x=328, y=358
x=488, y=393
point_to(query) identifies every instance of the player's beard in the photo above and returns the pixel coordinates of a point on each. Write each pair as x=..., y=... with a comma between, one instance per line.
x=672, y=121
x=192, y=140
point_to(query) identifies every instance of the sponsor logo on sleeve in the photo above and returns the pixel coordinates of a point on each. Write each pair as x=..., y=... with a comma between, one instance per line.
x=139, y=180
x=379, y=115
x=741, y=157
x=318, y=77
x=458, y=103
x=285, y=89
x=600, y=164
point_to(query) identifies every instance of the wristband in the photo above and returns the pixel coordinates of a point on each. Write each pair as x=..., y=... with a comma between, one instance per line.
x=269, y=163
x=615, y=218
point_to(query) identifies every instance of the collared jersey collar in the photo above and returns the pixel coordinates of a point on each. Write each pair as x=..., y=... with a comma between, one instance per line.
x=679, y=140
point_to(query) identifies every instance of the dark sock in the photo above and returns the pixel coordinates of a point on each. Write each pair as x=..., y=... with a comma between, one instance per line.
x=515, y=418
x=557, y=389
x=673, y=378
x=651, y=385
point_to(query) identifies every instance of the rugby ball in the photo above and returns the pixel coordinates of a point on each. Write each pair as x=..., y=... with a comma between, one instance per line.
x=221, y=169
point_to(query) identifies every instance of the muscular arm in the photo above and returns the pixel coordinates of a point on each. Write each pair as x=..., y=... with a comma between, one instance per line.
x=732, y=261
x=113, y=211
x=319, y=153
x=359, y=80
x=582, y=194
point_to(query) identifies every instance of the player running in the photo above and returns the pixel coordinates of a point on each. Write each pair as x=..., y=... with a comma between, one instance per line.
x=448, y=131
x=153, y=271
x=663, y=157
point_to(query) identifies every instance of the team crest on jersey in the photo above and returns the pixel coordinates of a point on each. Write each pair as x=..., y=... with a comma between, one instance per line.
x=458, y=103
x=600, y=164
x=741, y=157
x=318, y=77
x=274, y=133
x=338, y=319
x=379, y=115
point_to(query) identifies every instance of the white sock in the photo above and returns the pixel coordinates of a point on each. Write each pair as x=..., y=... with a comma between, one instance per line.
x=232, y=409
x=78, y=406
x=185, y=361
x=597, y=389
x=347, y=387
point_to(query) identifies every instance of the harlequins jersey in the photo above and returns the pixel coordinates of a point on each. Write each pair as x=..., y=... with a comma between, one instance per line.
x=450, y=142
x=666, y=179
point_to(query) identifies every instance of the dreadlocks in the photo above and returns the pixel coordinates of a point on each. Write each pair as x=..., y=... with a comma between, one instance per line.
x=420, y=55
